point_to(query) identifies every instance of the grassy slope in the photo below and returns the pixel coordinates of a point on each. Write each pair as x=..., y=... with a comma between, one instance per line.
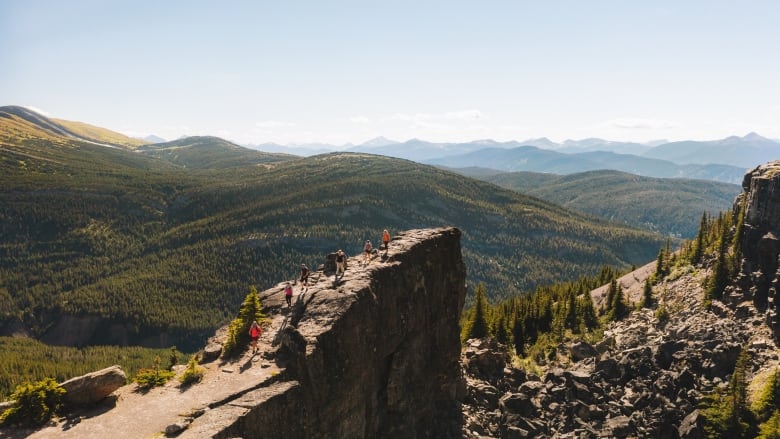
x=100, y=135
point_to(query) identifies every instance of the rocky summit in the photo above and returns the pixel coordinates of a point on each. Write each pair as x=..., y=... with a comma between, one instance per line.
x=374, y=355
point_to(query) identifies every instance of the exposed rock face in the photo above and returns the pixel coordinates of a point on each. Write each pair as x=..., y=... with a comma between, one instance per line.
x=93, y=387
x=761, y=236
x=375, y=356
x=645, y=379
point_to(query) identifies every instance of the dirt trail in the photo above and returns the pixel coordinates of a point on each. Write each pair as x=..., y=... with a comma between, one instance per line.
x=139, y=415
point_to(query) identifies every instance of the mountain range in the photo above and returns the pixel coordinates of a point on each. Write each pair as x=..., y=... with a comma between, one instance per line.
x=723, y=160
x=102, y=243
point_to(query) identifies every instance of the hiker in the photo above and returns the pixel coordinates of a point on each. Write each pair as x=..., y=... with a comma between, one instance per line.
x=385, y=239
x=367, y=253
x=288, y=294
x=341, y=263
x=254, y=333
x=304, y=274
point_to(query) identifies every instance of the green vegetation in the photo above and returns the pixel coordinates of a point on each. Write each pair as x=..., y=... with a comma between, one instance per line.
x=34, y=403
x=23, y=359
x=476, y=324
x=238, y=331
x=156, y=376
x=725, y=412
x=533, y=325
x=209, y=153
x=160, y=245
x=666, y=205
x=193, y=373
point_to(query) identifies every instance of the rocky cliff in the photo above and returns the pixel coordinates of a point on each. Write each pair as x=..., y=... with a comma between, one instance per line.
x=761, y=237
x=374, y=355
x=650, y=373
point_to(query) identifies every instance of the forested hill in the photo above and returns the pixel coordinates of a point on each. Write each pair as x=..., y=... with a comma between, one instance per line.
x=147, y=247
x=671, y=206
x=207, y=152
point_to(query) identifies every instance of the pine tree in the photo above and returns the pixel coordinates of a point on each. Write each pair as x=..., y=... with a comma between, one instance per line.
x=478, y=324
x=500, y=330
x=720, y=277
x=587, y=311
x=238, y=331
x=647, y=295
x=698, y=246
x=618, y=308
x=572, y=319
x=518, y=336
x=769, y=399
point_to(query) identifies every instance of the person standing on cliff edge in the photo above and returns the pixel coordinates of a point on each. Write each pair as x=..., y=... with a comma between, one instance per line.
x=367, y=253
x=341, y=263
x=385, y=240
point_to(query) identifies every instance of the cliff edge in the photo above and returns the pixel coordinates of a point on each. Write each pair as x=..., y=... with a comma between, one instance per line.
x=374, y=355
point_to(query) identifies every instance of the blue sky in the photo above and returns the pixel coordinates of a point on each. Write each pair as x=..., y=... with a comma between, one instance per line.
x=348, y=71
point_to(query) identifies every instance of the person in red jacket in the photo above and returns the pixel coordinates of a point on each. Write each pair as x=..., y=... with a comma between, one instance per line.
x=288, y=293
x=254, y=333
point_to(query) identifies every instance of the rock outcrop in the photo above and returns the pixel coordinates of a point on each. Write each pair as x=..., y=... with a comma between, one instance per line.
x=650, y=373
x=761, y=236
x=372, y=356
x=93, y=387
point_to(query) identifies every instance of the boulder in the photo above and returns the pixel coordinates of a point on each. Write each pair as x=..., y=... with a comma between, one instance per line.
x=93, y=387
x=581, y=350
x=692, y=426
x=211, y=352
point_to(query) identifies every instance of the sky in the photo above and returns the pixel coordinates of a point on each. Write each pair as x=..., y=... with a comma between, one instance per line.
x=445, y=71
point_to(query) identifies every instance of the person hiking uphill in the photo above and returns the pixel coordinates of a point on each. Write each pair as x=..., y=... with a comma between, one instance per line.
x=288, y=294
x=367, y=253
x=341, y=263
x=254, y=333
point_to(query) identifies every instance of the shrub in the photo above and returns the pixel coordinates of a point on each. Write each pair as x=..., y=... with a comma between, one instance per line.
x=34, y=403
x=148, y=378
x=193, y=373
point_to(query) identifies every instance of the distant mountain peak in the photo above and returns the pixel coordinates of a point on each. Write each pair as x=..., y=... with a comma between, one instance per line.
x=379, y=141
x=754, y=136
x=151, y=138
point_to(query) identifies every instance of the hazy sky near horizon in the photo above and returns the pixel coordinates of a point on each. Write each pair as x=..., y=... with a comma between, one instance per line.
x=349, y=71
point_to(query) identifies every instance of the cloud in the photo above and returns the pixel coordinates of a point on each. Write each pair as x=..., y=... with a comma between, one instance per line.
x=37, y=110
x=464, y=115
x=631, y=123
x=359, y=119
x=273, y=124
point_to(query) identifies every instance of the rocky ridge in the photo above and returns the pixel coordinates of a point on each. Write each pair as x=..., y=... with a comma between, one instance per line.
x=648, y=375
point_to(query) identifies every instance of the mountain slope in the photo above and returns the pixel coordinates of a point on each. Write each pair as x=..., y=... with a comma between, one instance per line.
x=132, y=249
x=207, y=152
x=669, y=206
x=100, y=135
x=529, y=158
x=50, y=129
